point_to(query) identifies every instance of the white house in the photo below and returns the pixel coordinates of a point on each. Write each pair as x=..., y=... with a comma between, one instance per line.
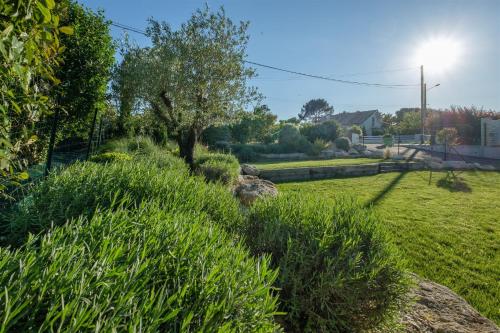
x=370, y=121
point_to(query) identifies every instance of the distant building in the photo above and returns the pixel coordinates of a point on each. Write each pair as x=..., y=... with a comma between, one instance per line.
x=370, y=121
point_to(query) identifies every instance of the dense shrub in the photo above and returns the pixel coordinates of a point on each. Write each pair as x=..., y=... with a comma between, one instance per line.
x=327, y=131
x=80, y=188
x=218, y=167
x=116, y=145
x=214, y=134
x=270, y=138
x=317, y=147
x=356, y=129
x=343, y=143
x=165, y=160
x=222, y=146
x=288, y=135
x=145, y=270
x=447, y=135
x=246, y=153
x=142, y=145
x=338, y=272
x=291, y=141
x=110, y=157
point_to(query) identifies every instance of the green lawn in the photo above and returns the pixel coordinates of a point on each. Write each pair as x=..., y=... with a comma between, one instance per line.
x=451, y=236
x=313, y=163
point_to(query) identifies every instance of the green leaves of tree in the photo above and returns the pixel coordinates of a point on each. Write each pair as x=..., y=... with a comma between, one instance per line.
x=67, y=30
x=28, y=47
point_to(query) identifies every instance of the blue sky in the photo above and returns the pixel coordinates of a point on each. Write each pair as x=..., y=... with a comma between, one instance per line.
x=371, y=41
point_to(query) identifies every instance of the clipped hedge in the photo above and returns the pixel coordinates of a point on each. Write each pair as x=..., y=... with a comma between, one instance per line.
x=81, y=187
x=338, y=272
x=145, y=270
x=218, y=167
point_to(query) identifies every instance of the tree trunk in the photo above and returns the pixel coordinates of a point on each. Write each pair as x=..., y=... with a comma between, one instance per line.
x=186, y=141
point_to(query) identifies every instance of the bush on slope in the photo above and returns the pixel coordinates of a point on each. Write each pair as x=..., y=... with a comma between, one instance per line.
x=145, y=270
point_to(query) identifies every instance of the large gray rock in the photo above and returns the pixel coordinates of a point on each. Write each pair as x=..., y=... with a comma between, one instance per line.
x=250, y=170
x=250, y=188
x=438, y=309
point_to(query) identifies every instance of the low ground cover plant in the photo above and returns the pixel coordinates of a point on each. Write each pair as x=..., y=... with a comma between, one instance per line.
x=145, y=270
x=110, y=157
x=449, y=260
x=80, y=188
x=337, y=270
x=218, y=167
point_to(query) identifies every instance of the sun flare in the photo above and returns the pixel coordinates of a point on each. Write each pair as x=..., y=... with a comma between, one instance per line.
x=439, y=53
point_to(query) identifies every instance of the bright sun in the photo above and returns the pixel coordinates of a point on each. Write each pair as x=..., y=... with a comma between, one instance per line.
x=439, y=53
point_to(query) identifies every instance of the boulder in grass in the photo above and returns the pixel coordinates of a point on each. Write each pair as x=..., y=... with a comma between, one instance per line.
x=251, y=188
x=438, y=309
x=251, y=170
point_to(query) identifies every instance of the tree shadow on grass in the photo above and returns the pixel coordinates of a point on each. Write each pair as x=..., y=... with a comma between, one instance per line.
x=453, y=183
x=375, y=200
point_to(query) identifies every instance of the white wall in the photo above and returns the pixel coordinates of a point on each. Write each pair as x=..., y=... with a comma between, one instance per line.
x=490, y=132
x=467, y=150
x=367, y=124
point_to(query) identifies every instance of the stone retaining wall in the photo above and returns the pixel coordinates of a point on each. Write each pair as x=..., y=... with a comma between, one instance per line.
x=326, y=172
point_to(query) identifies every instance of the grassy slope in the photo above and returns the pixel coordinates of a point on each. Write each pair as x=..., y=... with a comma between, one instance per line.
x=450, y=237
x=313, y=163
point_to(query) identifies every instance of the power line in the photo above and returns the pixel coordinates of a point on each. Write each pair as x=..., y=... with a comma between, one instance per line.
x=331, y=79
x=129, y=28
x=360, y=83
x=379, y=71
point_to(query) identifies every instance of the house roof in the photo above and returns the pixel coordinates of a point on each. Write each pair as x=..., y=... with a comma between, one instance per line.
x=353, y=118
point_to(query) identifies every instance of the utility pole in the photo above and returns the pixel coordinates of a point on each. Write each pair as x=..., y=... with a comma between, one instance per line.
x=422, y=102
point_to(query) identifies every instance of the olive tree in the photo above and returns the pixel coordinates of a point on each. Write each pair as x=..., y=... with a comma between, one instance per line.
x=195, y=76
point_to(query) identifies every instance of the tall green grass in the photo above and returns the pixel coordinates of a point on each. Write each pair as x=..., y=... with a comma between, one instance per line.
x=145, y=270
x=338, y=271
x=218, y=167
x=80, y=188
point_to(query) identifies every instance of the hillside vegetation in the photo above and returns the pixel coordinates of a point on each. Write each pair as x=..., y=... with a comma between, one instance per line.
x=132, y=242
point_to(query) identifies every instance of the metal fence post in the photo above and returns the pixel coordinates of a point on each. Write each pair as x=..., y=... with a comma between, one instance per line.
x=52, y=141
x=91, y=134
